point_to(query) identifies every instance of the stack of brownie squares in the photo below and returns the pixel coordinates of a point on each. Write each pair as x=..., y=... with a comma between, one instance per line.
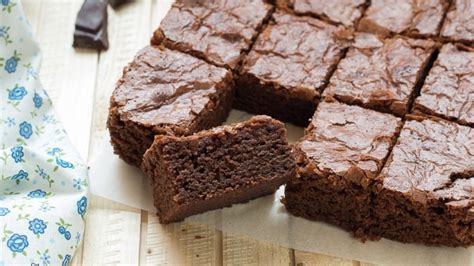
x=384, y=88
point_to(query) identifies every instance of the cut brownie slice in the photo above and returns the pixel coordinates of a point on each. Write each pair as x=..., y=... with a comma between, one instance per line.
x=449, y=88
x=459, y=22
x=217, y=31
x=415, y=18
x=218, y=167
x=342, y=153
x=426, y=190
x=380, y=73
x=287, y=67
x=165, y=92
x=345, y=12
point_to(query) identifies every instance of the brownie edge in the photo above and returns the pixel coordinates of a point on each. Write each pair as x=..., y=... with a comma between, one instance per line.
x=217, y=167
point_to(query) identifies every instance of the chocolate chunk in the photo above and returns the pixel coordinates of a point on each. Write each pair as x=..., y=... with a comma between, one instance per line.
x=117, y=3
x=91, y=26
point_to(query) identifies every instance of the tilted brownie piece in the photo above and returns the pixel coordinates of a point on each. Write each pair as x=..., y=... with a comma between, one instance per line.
x=414, y=18
x=165, y=92
x=345, y=12
x=448, y=91
x=459, y=22
x=91, y=26
x=288, y=66
x=217, y=31
x=340, y=156
x=426, y=190
x=380, y=73
x=218, y=167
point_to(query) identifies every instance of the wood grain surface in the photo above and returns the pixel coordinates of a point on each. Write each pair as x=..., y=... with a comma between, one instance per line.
x=80, y=83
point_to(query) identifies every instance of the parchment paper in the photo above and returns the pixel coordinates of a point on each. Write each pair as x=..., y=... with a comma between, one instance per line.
x=266, y=218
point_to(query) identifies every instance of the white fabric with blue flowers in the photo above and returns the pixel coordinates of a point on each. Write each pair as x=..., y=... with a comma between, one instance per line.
x=43, y=181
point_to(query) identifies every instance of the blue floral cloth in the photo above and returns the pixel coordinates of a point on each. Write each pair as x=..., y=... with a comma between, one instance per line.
x=43, y=181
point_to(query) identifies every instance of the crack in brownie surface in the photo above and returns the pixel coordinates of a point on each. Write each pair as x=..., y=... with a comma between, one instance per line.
x=449, y=88
x=459, y=22
x=217, y=31
x=346, y=12
x=338, y=159
x=165, y=92
x=416, y=18
x=380, y=74
x=426, y=190
x=287, y=67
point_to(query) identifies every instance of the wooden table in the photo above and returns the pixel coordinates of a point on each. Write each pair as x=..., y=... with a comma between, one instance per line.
x=80, y=83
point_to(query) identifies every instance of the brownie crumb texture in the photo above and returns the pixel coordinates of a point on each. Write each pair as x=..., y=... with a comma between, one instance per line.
x=218, y=167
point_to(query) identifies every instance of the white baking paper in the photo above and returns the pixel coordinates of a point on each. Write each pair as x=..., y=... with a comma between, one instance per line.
x=266, y=218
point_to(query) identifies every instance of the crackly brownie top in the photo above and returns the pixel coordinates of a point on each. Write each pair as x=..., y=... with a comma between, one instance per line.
x=345, y=12
x=449, y=88
x=459, y=22
x=218, y=30
x=296, y=53
x=380, y=70
x=349, y=141
x=432, y=158
x=412, y=17
x=162, y=86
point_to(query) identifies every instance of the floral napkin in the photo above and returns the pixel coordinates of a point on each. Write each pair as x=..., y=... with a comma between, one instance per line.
x=43, y=181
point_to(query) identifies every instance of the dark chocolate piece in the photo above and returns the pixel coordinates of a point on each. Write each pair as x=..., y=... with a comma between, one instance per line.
x=91, y=26
x=218, y=167
x=165, y=92
x=117, y=3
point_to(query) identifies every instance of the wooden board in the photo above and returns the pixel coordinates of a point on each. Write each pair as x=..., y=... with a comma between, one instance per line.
x=80, y=83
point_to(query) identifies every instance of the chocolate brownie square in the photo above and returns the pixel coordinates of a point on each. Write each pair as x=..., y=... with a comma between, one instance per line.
x=165, y=92
x=426, y=190
x=340, y=156
x=448, y=91
x=217, y=31
x=381, y=74
x=218, y=167
x=345, y=12
x=414, y=18
x=288, y=66
x=459, y=22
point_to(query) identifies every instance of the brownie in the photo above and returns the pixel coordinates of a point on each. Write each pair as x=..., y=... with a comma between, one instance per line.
x=448, y=91
x=217, y=31
x=165, y=92
x=340, y=156
x=380, y=73
x=459, y=22
x=345, y=12
x=288, y=66
x=218, y=167
x=415, y=18
x=426, y=190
